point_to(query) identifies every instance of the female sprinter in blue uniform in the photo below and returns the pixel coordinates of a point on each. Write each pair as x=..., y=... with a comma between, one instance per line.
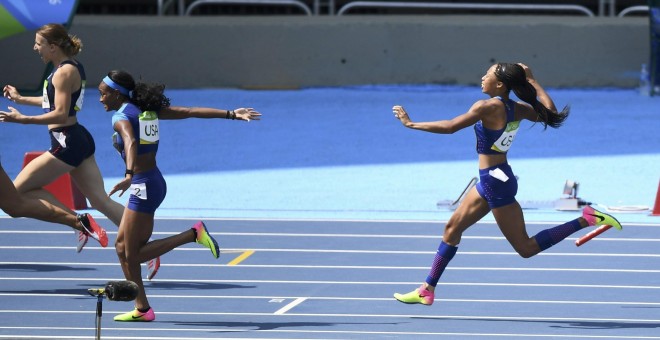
x=139, y=107
x=496, y=121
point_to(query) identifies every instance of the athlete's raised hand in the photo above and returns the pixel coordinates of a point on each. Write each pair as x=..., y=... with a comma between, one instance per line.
x=247, y=114
x=528, y=72
x=401, y=114
x=10, y=93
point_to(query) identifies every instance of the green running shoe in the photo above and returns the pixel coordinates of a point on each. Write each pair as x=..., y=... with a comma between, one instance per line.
x=136, y=316
x=205, y=239
x=596, y=218
x=419, y=295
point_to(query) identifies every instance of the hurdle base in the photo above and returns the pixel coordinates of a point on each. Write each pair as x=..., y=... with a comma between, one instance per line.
x=62, y=187
x=656, y=206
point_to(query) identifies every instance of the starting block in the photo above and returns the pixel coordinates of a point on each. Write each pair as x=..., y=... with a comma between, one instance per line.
x=62, y=188
x=570, y=201
x=452, y=205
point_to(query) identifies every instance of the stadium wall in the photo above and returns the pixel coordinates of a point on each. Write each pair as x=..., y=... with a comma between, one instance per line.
x=274, y=52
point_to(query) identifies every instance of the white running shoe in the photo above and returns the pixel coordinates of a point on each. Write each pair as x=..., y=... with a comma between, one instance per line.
x=82, y=240
x=152, y=268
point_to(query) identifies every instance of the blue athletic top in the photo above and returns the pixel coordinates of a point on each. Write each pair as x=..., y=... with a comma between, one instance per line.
x=76, y=97
x=145, y=129
x=492, y=142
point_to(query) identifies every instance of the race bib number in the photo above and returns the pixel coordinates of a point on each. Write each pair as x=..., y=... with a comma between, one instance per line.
x=79, y=102
x=506, y=139
x=148, y=127
x=139, y=190
x=45, y=104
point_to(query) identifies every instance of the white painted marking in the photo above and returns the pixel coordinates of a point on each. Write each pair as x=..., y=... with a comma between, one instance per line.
x=290, y=306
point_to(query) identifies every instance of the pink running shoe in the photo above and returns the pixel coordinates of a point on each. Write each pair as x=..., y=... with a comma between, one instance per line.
x=136, y=315
x=205, y=239
x=596, y=218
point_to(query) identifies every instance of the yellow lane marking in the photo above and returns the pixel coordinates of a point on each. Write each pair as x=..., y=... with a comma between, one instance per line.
x=240, y=258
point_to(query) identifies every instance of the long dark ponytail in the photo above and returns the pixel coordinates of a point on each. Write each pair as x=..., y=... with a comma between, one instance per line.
x=514, y=78
x=148, y=97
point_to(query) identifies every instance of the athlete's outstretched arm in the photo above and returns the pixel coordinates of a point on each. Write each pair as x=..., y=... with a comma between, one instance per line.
x=183, y=112
x=443, y=126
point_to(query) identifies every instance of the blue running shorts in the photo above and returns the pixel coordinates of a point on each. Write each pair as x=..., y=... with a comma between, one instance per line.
x=498, y=185
x=148, y=190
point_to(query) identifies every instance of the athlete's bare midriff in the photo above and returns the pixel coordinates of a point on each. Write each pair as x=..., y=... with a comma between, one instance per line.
x=487, y=161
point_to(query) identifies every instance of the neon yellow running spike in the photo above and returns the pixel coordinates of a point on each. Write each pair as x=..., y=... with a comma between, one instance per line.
x=419, y=295
x=136, y=316
x=205, y=239
x=596, y=218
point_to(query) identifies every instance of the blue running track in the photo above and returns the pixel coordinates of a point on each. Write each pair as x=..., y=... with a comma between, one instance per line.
x=327, y=207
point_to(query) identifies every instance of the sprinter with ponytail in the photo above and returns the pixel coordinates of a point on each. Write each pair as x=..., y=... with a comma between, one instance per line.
x=514, y=77
x=496, y=121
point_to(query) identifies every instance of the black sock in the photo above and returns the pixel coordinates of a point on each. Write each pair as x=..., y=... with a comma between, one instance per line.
x=194, y=234
x=80, y=218
x=144, y=310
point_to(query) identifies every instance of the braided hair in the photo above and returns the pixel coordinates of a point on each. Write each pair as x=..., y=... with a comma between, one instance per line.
x=514, y=78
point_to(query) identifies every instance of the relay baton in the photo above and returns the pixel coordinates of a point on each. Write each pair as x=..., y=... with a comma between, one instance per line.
x=584, y=239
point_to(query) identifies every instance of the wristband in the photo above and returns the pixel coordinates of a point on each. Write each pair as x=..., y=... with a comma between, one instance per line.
x=129, y=172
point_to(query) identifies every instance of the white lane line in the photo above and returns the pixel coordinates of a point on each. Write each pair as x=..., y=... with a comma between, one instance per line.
x=344, y=298
x=310, y=332
x=354, y=251
x=353, y=315
x=308, y=282
x=279, y=266
x=290, y=306
x=337, y=220
x=315, y=334
x=332, y=235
